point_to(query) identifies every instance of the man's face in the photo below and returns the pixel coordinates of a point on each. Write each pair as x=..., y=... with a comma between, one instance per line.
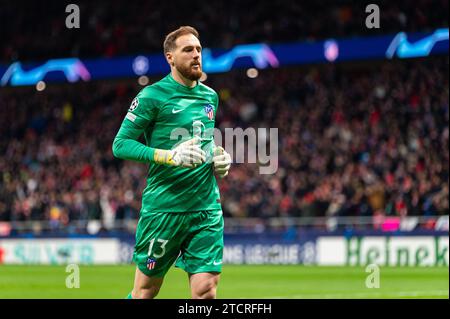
x=187, y=57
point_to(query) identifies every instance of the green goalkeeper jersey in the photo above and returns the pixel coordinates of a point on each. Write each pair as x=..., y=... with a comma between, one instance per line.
x=168, y=113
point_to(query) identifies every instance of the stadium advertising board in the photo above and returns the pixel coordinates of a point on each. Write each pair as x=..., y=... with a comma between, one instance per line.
x=280, y=253
x=384, y=251
x=59, y=251
x=327, y=250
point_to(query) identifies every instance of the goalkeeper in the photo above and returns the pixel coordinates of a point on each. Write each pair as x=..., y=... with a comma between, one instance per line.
x=181, y=219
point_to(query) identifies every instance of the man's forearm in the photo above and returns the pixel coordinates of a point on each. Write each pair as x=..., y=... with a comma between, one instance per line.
x=130, y=149
x=126, y=146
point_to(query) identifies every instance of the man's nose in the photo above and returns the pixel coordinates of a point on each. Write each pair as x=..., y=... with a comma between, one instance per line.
x=196, y=55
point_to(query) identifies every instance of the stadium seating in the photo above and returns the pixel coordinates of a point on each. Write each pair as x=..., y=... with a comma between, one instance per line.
x=353, y=142
x=140, y=26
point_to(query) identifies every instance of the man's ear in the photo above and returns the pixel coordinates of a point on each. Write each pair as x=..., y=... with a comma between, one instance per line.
x=169, y=58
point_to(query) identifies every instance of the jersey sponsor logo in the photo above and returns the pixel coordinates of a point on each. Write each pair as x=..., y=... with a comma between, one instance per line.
x=134, y=104
x=183, y=104
x=209, y=110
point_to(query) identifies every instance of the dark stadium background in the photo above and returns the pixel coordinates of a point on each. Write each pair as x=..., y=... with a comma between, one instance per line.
x=363, y=145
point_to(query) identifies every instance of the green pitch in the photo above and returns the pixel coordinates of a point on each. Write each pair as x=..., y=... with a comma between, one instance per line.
x=298, y=282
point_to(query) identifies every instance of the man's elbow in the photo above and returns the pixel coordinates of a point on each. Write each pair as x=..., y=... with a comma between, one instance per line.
x=116, y=146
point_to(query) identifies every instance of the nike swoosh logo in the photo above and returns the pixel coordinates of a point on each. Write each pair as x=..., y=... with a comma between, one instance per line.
x=215, y=263
x=184, y=104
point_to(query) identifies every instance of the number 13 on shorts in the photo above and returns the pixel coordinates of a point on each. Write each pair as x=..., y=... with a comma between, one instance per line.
x=162, y=247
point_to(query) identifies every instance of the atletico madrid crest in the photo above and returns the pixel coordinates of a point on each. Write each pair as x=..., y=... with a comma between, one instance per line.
x=151, y=263
x=209, y=110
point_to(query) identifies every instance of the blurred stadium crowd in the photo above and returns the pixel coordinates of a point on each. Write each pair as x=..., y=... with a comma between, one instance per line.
x=39, y=31
x=354, y=140
x=367, y=139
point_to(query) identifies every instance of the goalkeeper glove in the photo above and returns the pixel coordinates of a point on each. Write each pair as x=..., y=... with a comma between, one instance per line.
x=222, y=161
x=187, y=154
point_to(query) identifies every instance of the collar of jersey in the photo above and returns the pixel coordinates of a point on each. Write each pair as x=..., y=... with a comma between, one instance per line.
x=184, y=87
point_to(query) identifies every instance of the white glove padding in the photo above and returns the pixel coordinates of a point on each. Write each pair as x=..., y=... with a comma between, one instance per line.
x=222, y=161
x=189, y=154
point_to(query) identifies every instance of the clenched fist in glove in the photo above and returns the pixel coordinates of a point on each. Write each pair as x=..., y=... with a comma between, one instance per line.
x=222, y=161
x=187, y=154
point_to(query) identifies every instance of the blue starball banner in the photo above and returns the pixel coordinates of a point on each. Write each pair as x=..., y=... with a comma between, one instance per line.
x=260, y=55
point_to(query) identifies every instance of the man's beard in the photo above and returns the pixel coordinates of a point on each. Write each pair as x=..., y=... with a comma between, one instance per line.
x=189, y=73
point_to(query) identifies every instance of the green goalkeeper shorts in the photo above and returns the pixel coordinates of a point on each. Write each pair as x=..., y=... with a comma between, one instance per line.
x=194, y=240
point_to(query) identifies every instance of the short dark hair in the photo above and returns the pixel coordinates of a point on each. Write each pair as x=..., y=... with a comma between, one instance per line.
x=169, y=42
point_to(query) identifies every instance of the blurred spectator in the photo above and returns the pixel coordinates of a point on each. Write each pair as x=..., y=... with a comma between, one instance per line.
x=31, y=31
x=362, y=141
